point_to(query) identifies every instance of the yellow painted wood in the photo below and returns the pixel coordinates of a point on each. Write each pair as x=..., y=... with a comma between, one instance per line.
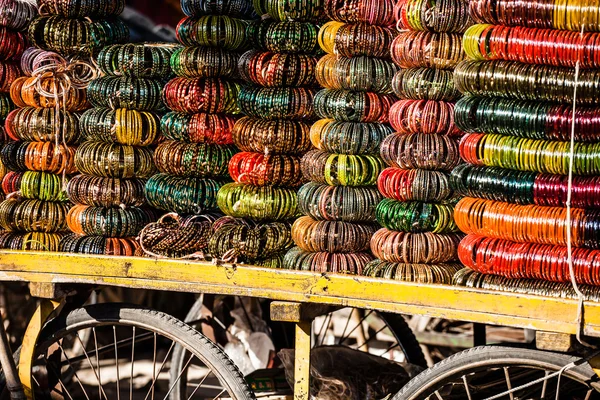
x=302, y=361
x=494, y=308
x=44, y=310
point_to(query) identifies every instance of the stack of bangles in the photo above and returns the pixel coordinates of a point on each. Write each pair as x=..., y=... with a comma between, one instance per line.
x=423, y=151
x=332, y=236
x=414, y=248
x=99, y=245
x=338, y=203
x=356, y=39
x=344, y=105
x=13, y=43
x=324, y=262
x=33, y=216
x=516, y=80
x=16, y=15
x=546, y=156
x=287, y=36
x=204, y=62
x=424, y=116
x=125, y=92
x=193, y=159
x=32, y=124
x=348, y=137
x=42, y=186
x=235, y=8
x=258, y=202
x=82, y=8
x=210, y=95
x=182, y=195
x=525, y=118
x=415, y=216
x=112, y=160
x=9, y=72
x=271, y=69
x=6, y=106
x=374, y=13
x=529, y=260
x=418, y=273
x=39, y=156
x=271, y=169
x=11, y=182
x=528, y=223
x=283, y=10
x=30, y=241
x=532, y=45
x=106, y=192
x=277, y=103
x=522, y=187
x=271, y=136
x=123, y=126
x=108, y=221
x=425, y=84
x=434, y=16
x=411, y=49
x=341, y=169
x=355, y=73
x=219, y=31
x=136, y=60
x=414, y=184
x=36, y=92
x=197, y=128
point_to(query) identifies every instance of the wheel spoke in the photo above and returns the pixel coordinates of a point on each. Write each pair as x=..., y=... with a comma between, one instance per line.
x=117, y=363
x=154, y=366
x=179, y=376
x=390, y=348
x=162, y=365
x=219, y=395
x=96, y=372
x=57, y=374
x=359, y=323
x=346, y=326
x=74, y=370
x=200, y=384
x=371, y=337
x=132, y=363
x=464, y=378
x=100, y=388
x=438, y=395
x=545, y=385
x=324, y=327
x=508, y=384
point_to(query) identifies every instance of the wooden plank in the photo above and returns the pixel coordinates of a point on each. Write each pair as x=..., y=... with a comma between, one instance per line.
x=302, y=361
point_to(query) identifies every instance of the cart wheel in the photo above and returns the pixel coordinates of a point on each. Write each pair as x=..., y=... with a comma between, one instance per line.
x=127, y=356
x=491, y=372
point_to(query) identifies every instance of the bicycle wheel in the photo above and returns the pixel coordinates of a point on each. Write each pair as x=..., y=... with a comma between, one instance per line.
x=495, y=372
x=127, y=357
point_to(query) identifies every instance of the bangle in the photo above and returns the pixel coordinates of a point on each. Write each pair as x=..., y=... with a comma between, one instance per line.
x=331, y=236
x=210, y=95
x=6, y=106
x=412, y=49
x=322, y=262
x=234, y=8
x=341, y=169
x=258, y=202
x=357, y=73
x=212, y=31
x=108, y=221
x=193, y=159
x=424, y=117
x=357, y=39
x=271, y=69
x=99, y=245
x=425, y=84
x=414, y=184
x=9, y=72
x=39, y=156
x=266, y=169
x=290, y=10
x=106, y=192
x=38, y=92
x=414, y=248
x=277, y=103
x=82, y=8
x=11, y=182
x=112, y=160
x=43, y=186
x=30, y=241
x=13, y=44
x=418, y=273
x=348, y=137
x=434, y=16
x=204, y=62
x=283, y=37
x=33, y=216
x=146, y=60
x=415, y=216
x=123, y=126
x=344, y=105
x=182, y=195
x=373, y=12
x=125, y=92
x=41, y=125
x=423, y=151
x=16, y=15
x=271, y=136
x=197, y=128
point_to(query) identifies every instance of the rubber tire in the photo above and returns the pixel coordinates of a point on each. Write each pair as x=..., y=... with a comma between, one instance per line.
x=156, y=321
x=461, y=363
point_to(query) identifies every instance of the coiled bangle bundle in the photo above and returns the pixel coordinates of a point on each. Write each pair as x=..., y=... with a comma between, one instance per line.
x=557, y=14
x=528, y=223
x=124, y=126
x=9, y=72
x=427, y=49
x=39, y=125
x=418, y=273
x=425, y=84
x=532, y=45
x=338, y=203
x=13, y=44
x=108, y=221
x=529, y=154
x=6, y=106
x=106, y=192
x=197, y=128
x=424, y=116
x=236, y=238
x=348, y=137
x=415, y=216
x=111, y=160
x=423, y=151
x=182, y=195
x=371, y=11
x=234, y=8
x=99, y=245
x=210, y=95
x=33, y=216
x=82, y=8
x=24, y=93
x=414, y=185
x=527, y=82
x=146, y=60
x=125, y=92
x=341, y=169
x=520, y=187
x=271, y=136
x=258, y=202
x=434, y=16
x=324, y=262
x=344, y=105
x=193, y=159
x=271, y=69
x=286, y=37
x=331, y=236
x=16, y=15
x=414, y=248
x=524, y=118
x=528, y=260
x=204, y=62
x=265, y=169
x=42, y=186
x=212, y=31
x=277, y=103
x=357, y=39
x=290, y=10
x=39, y=156
x=357, y=73
x=30, y=241
x=76, y=36
x=11, y=182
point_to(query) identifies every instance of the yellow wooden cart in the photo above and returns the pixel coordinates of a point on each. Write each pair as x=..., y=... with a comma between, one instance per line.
x=295, y=293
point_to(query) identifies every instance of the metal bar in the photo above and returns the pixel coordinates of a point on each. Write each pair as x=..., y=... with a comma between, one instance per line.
x=9, y=367
x=302, y=361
